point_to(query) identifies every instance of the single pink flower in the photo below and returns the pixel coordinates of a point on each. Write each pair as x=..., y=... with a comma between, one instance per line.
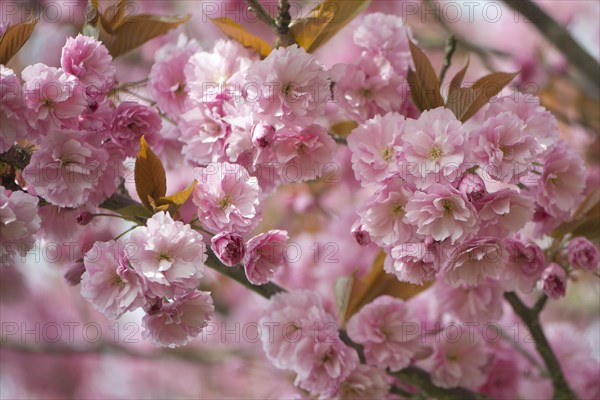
x=264, y=256
x=132, y=121
x=388, y=332
x=413, y=262
x=168, y=254
x=229, y=248
x=109, y=283
x=480, y=303
x=12, y=109
x=442, y=212
x=375, y=148
x=89, y=60
x=554, y=281
x=365, y=382
x=472, y=262
x=582, y=254
x=504, y=212
x=20, y=221
x=524, y=265
x=177, y=322
x=227, y=198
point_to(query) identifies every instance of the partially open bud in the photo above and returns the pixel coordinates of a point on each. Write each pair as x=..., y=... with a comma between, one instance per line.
x=361, y=236
x=583, y=254
x=228, y=247
x=84, y=218
x=472, y=186
x=554, y=281
x=262, y=135
x=73, y=272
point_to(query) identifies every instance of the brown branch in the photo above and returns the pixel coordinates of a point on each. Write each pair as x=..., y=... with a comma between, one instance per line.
x=562, y=391
x=560, y=38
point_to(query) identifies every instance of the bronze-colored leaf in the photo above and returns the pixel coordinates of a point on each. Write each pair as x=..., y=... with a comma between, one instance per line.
x=343, y=289
x=376, y=283
x=324, y=21
x=238, y=33
x=14, y=38
x=114, y=16
x=133, y=31
x=178, y=198
x=465, y=102
x=423, y=81
x=583, y=217
x=150, y=177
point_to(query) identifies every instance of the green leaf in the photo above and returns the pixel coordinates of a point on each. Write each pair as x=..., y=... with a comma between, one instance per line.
x=150, y=176
x=465, y=102
x=135, y=30
x=423, y=81
x=238, y=33
x=14, y=38
x=324, y=21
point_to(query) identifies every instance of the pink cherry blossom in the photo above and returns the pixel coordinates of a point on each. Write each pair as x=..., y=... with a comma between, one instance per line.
x=582, y=254
x=289, y=85
x=303, y=154
x=132, y=121
x=436, y=141
x=457, y=362
x=472, y=187
x=55, y=99
x=375, y=148
x=67, y=168
x=168, y=83
x=211, y=74
x=388, y=332
x=471, y=262
x=504, y=212
x=89, y=60
x=291, y=316
x=538, y=122
x=413, y=262
x=524, y=265
x=177, y=322
x=265, y=255
x=20, y=221
x=383, y=216
x=169, y=255
x=385, y=38
x=322, y=361
x=227, y=198
x=109, y=283
x=442, y=212
x=12, y=109
x=229, y=248
x=204, y=133
x=480, y=303
x=554, y=281
x=363, y=93
x=365, y=382
x=502, y=145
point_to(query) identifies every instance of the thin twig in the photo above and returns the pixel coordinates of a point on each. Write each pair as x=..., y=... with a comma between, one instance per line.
x=261, y=13
x=282, y=23
x=562, y=391
x=560, y=38
x=448, y=53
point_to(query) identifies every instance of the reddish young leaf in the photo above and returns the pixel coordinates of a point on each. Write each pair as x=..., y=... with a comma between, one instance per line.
x=150, y=177
x=424, y=83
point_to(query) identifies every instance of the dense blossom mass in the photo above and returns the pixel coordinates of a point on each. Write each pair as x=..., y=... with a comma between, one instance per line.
x=462, y=212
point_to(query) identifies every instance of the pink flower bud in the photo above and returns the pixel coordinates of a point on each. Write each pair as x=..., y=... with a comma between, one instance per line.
x=262, y=135
x=554, y=281
x=361, y=236
x=472, y=186
x=582, y=254
x=228, y=247
x=84, y=218
x=73, y=272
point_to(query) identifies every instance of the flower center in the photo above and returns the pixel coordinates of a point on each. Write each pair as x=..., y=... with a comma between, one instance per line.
x=387, y=154
x=397, y=209
x=435, y=153
x=224, y=202
x=448, y=207
x=48, y=103
x=287, y=88
x=163, y=255
x=117, y=280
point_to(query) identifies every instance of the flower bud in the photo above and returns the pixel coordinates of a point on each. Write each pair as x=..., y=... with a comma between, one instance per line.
x=84, y=218
x=262, y=135
x=582, y=254
x=228, y=247
x=73, y=272
x=361, y=236
x=554, y=281
x=472, y=186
